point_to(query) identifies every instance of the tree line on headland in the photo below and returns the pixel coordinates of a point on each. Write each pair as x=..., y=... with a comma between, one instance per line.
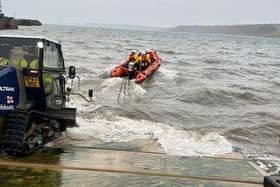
x=267, y=30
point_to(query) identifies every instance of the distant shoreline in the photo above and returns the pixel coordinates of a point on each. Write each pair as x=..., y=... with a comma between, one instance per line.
x=264, y=30
x=260, y=30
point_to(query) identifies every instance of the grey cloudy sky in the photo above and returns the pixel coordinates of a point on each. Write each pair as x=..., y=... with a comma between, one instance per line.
x=147, y=12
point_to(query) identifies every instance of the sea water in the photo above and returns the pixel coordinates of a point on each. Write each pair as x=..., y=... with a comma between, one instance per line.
x=213, y=94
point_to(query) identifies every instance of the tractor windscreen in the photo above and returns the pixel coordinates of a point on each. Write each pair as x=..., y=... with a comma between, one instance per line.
x=20, y=52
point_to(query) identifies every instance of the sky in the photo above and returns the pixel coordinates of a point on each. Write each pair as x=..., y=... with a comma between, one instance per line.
x=146, y=12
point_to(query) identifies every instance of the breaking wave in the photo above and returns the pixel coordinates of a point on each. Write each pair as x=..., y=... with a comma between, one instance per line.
x=174, y=141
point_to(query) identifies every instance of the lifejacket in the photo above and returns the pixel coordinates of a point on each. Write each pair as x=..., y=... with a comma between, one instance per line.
x=139, y=59
x=33, y=64
x=23, y=63
x=146, y=60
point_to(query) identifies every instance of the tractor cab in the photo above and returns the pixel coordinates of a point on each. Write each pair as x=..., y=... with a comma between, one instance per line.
x=40, y=67
x=32, y=84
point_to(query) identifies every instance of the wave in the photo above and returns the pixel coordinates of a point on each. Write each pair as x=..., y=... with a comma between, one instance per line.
x=107, y=58
x=174, y=141
x=108, y=91
x=82, y=70
x=170, y=52
x=79, y=42
x=212, y=61
x=216, y=61
x=259, y=144
x=225, y=52
x=269, y=163
x=169, y=74
x=206, y=96
x=258, y=54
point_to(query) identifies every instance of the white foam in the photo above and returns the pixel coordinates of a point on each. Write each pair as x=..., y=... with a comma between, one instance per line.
x=188, y=143
x=265, y=163
x=108, y=70
x=107, y=92
x=110, y=128
x=113, y=85
x=174, y=141
x=137, y=90
x=110, y=83
x=82, y=106
x=168, y=73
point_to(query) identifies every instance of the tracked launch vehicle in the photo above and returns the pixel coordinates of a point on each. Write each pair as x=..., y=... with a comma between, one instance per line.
x=32, y=93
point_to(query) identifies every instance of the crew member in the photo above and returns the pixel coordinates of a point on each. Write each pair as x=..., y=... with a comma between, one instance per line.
x=151, y=55
x=22, y=63
x=132, y=56
x=17, y=58
x=33, y=64
x=48, y=82
x=139, y=60
x=146, y=60
x=4, y=61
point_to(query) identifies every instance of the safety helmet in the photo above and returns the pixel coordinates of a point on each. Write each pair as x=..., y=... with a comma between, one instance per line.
x=142, y=52
x=148, y=50
x=133, y=51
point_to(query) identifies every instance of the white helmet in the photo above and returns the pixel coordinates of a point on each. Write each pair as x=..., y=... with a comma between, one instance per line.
x=133, y=51
x=148, y=50
x=142, y=52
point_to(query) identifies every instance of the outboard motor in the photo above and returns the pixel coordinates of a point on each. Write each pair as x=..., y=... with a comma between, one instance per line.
x=131, y=70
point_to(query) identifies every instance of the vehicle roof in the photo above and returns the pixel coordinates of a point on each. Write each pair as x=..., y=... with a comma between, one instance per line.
x=30, y=37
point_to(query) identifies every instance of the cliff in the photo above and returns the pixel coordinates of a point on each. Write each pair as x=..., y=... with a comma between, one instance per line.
x=268, y=30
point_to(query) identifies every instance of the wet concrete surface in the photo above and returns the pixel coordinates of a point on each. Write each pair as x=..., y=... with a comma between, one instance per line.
x=74, y=166
x=51, y=178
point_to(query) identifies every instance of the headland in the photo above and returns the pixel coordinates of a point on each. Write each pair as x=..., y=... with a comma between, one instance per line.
x=12, y=23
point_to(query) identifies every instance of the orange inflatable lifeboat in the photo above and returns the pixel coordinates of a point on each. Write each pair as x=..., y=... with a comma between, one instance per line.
x=124, y=69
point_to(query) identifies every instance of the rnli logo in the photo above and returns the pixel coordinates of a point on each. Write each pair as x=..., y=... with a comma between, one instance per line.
x=10, y=100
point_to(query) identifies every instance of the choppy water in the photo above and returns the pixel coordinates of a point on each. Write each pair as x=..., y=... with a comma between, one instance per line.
x=212, y=95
